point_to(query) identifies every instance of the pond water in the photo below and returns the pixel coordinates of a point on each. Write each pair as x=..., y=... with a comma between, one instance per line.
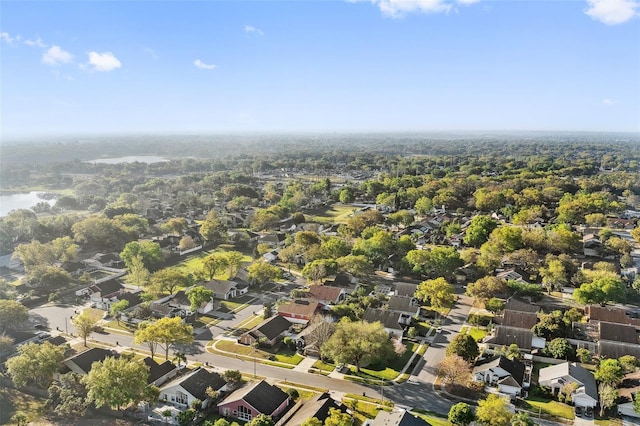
x=20, y=201
x=149, y=159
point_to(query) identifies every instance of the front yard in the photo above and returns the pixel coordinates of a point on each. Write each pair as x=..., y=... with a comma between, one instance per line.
x=279, y=354
x=388, y=371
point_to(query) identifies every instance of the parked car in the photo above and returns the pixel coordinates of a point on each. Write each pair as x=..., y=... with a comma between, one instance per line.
x=41, y=327
x=588, y=412
x=578, y=411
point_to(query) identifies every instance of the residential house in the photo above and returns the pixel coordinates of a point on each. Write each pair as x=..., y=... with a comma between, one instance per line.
x=610, y=314
x=592, y=246
x=396, y=418
x=105, y=293
x=405, y=306
x=81, y=363
x=159, y=373
x=508, y=375
x=270, y=330
x=184, y=390
x=390, y=320
x=250, y=401
x=524, y=338
x=181, y=301
x=222, y=289
x=557, y=376
x=134, y=299
x=299, y=311
x=318, y=406
x=514, y=304
x=405, y=289
x=518, y=319
x=326, y=294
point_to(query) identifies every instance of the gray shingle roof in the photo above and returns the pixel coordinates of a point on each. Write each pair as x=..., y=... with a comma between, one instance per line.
x=515, y=368
x=574, y=370
x=398, y=418
x=85, y=359
x=198, y=382
x=274, y=327
x=389, y=319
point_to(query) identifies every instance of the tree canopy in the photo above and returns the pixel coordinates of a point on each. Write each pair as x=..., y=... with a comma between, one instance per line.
x=358, y=342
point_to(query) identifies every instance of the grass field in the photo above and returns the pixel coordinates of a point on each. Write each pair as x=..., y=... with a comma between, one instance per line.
x=193, y=263
x=336, y=213
x=476, y=332
x=433, y=419
x=390, y=371
x=551, y=407
x=13, y=401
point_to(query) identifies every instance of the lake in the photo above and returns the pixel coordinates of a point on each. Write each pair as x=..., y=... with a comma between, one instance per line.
x=20, y=201
x=149, y=159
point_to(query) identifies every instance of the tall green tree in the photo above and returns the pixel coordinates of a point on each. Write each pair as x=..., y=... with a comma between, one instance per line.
x=67, y=396
x=167, y=281
x=138, y=275
x=117, y=309
x=85, y=324
x=358, y=342
x=465, y=346
x=609, y=372
x=478, y=231
x=12, y=314
x=214, y=264
x=149, y=251
x=212, y=228
x=438, y=292
x=261, y=272
x=35, y=364
x=117, y=382
x=197, y=296
x=165, y=332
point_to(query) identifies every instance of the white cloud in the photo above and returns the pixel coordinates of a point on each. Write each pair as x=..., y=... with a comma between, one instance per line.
x=399, y=8
x=8, y=39
x=103, y=61
x=608, y=101
x=35, y=43
x=199, y=64
x=56, y=56
x=252, y=29
x=612, y=12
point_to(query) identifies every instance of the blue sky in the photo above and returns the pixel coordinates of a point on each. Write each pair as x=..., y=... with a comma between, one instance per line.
x=330, y=66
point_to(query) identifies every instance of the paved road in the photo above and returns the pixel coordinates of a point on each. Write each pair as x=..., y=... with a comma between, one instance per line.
x=418, y=392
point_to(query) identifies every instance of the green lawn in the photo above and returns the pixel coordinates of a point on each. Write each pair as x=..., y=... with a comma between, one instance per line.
x=433, y=420
x=476, y=332
x=293, y=359
x=323, y=366
x=336, y=213
x=13, y=401
x=193, y=263
x=551, y=407
x=247, y=325
x=390, y=371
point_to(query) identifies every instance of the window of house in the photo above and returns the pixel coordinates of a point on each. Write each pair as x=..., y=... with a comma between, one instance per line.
x=244, y=413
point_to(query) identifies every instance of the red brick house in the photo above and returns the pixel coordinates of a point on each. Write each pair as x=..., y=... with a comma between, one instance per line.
x=249, y=402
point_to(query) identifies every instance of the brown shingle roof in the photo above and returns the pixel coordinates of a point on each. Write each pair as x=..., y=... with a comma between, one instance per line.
x=618, y=332
x=519, y=319
x=507, y=335
x=324, y=292
x=298, y=307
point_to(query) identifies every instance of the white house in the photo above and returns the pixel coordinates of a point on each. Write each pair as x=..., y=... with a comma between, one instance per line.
x=557, y=376
x=184, y=390
x=508, y=375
